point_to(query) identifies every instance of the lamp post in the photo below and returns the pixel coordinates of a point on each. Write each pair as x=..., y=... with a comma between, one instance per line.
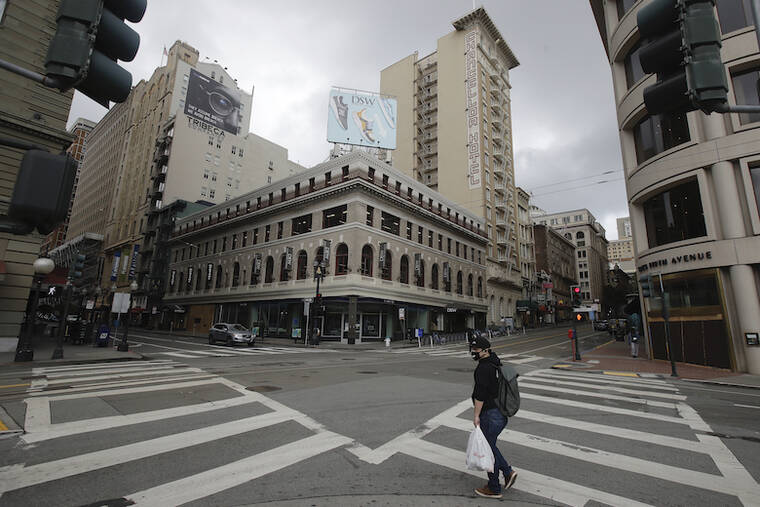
x=318, y=274
x=123, y=344
x=24, y=351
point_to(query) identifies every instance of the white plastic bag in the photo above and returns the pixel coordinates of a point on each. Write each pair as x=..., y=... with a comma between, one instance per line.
x=479, y=453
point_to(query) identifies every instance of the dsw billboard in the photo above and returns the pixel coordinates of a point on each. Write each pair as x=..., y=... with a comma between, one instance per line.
x=361, y=118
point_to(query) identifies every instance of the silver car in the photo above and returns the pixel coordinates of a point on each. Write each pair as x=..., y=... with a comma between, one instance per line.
x=230, y=334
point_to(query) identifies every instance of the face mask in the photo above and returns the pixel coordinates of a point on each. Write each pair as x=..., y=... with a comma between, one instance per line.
x=475, y=356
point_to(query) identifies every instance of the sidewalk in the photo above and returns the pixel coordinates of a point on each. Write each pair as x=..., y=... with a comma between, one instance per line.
x=614, y=358
x=72, y=354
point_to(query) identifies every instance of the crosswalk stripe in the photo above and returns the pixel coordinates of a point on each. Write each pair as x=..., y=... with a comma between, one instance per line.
x=599, y=380
x=156, y=384
x=620, y=461
x=119, y=371
x=595, y=376
x=112, y=376
x=607, y=387
x=233, y=474
x=529, y=482
x=627, y=399
x=114, y=365
x=178, y=354
x=604, y=408
x=18, y=477
x=76, y=427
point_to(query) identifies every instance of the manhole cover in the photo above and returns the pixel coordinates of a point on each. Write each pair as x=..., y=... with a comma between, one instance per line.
x=263, y=389
x=367, y=372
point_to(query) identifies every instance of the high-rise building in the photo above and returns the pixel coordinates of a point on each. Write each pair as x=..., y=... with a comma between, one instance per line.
x=454, y=135
x=29, y=113
x=588, y=235
x=182, y=134
x=693, y=186
x=624, y=227
x=80, y=131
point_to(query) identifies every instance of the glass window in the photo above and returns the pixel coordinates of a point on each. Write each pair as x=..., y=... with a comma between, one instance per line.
x=370, y=215
x=734, y=14
x=302, y=265
x=746, y=92
x=655, y=134
x=269, y=271
x=301, y=225
x=419, y=234
x=390, y=223
x=754, y=173
x=404, y=269
x=633, y=70
x=334, y=216
x=366, y=267
x=434, y=277
x=624, y=6
x=387, y=268
x=459, y=283
x=279, y=230
x=675, y=215
x=341, y=259
x=283, y=268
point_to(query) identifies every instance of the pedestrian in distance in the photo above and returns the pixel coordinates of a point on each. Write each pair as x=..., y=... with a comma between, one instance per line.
x=634, y=321
x=487, y=415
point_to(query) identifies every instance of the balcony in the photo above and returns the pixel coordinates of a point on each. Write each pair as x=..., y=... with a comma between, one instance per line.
x=499, y=186
x=496, y=109
x=500, y=204
x=501, y=239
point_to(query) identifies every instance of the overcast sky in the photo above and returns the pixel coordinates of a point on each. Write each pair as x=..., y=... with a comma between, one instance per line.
x=292, y=52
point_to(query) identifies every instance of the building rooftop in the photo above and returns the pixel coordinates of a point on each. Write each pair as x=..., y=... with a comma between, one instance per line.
x=481, y=15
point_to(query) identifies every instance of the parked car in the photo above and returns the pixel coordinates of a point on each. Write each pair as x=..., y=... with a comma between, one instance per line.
x=230, y=334
x=600, y=325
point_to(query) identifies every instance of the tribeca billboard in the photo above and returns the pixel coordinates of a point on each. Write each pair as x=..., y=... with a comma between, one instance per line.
x=213, y=103
x=361, y=118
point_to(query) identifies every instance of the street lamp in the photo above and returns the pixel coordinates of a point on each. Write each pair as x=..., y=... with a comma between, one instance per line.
x=124, y=345
x=24, y=351
x=318, y=274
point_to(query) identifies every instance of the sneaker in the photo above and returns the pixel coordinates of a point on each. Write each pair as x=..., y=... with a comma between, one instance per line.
x=366, y=126
x=510, y=480
x=340, y=110
x=486, y=492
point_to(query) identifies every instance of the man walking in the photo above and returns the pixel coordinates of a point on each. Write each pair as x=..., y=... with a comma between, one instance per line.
x=487, y=415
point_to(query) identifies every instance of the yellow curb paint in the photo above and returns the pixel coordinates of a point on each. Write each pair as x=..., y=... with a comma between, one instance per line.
x=14, y=385
x=621, y=373
x=602, y=345
x=3, y=427
x=562, y=366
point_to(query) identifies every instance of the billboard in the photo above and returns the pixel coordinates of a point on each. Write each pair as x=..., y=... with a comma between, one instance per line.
x=213, y=103
x=361, y=118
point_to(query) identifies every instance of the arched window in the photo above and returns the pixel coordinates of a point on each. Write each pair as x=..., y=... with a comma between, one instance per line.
x=480, y=286
x=181, y=283
x=218, y=283
x=226, y=278
x=283, y=268
x=302, y=266
x=469, y=285
x=434, y=277
x=421, y=275
x=387, y=273
x=459, y=282
x=367, y=260
x=269, y=270
x=341, y=259
x=568, y=236
x=579, y=235
x=236, y=274
x=198, y=277
x=253, y=271
x=403, y=271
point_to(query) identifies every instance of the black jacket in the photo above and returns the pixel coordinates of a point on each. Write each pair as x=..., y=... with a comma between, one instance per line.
x=486, y=382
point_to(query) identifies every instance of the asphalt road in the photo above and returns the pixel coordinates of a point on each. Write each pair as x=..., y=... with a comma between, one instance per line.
x=282, y=425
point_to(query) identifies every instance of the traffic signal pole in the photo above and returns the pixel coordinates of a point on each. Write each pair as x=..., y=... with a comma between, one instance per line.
x=665, y=316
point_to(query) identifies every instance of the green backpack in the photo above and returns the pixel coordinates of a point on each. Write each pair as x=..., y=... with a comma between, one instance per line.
x=508, y=397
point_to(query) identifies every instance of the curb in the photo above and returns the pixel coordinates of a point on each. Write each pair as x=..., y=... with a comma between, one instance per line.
x=719, y=383
x=64, y=362
x=8, y=426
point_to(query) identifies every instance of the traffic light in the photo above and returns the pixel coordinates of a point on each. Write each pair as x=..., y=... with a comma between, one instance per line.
x=43, y=189
x=78, y=266
x=645, y=283
x=683, y=49
x=90, y=37
x=575, y=295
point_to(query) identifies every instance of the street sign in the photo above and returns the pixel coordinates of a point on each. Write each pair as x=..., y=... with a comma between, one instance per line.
x=120, y=302
x=90, y=305
x=548, y=285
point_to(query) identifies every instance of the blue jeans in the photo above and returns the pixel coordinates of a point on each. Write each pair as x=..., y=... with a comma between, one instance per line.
x=492, y=423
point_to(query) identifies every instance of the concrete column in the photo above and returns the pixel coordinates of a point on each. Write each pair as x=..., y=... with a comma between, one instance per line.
x=731, y=221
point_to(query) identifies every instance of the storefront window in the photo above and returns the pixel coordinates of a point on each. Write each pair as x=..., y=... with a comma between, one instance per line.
x=746, y=92
x=655, y=134
x=332, y=324
x=675, y=215
x=371, y=325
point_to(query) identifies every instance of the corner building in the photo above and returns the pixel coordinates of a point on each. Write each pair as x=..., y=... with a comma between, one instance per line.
x=455, y=136
x=390, y=244
x=693, y=184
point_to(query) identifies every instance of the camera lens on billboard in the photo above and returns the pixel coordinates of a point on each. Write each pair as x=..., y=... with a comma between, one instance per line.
x=221, y=104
